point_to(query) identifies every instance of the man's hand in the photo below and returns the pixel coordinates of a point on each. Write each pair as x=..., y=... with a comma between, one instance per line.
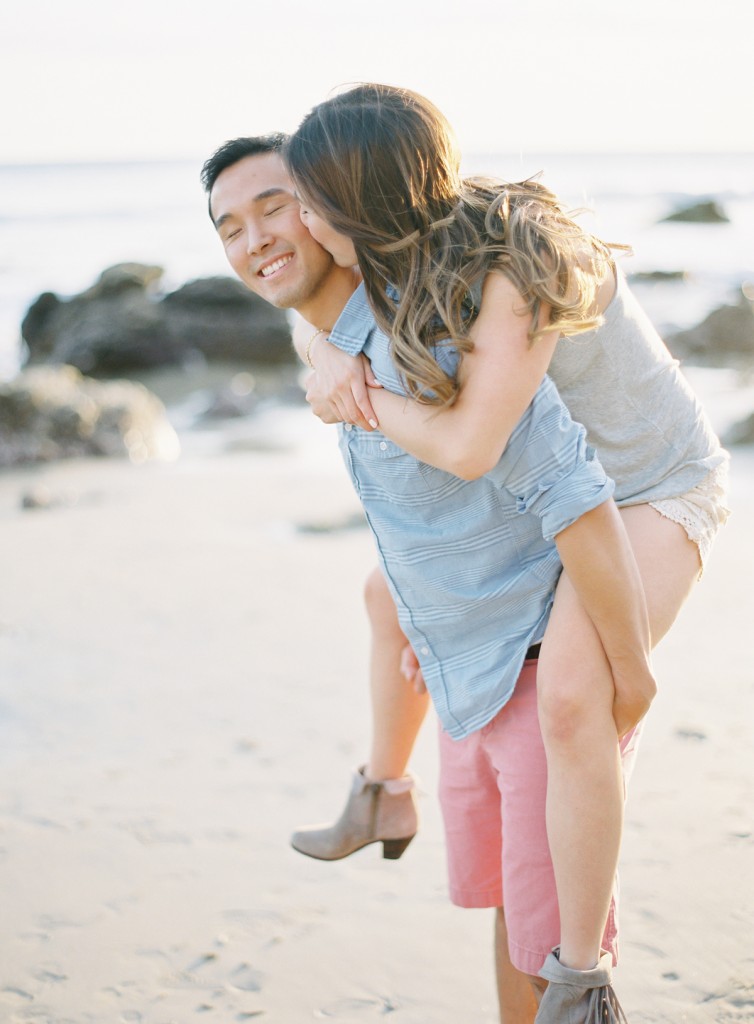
x=411, y=670
x=337, y=391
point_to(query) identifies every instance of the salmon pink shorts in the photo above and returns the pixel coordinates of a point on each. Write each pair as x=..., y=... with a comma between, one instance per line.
x=492, y=792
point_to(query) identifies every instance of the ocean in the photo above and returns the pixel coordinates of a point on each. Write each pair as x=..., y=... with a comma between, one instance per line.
x=62, y=224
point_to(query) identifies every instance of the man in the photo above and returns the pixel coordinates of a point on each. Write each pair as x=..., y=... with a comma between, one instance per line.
x=257, y=218
x=256, y=215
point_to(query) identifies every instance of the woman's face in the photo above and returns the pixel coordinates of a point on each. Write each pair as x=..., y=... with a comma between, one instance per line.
x=339, y=246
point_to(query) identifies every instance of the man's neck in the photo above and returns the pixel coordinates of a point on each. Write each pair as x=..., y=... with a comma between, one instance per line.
x=324, y=308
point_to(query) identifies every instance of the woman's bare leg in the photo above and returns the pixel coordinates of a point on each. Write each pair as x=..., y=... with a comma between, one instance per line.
x=397, y=710
x=385, y=813
x=585, y=789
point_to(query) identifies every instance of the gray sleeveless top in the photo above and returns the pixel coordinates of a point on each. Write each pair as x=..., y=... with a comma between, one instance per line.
x=650, y=432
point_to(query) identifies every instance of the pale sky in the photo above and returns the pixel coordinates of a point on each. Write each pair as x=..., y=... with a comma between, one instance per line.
x=164, y=79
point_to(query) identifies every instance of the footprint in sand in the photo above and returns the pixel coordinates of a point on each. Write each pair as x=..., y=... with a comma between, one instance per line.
x=16, y=994
x=202, y=961
x=247, y=978
x=690, y=734
x=735, y=1003
x=344, y=1007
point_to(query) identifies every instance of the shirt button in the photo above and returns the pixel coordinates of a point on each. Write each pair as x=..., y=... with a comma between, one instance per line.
x=348, y=426
x=425, y=650
x=383, y=446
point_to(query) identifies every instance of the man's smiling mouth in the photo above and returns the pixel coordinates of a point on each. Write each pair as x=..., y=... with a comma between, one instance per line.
x=276, y=265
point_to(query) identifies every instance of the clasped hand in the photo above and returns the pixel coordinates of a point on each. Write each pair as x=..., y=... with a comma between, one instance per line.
x=634, y=693
x=338, y=389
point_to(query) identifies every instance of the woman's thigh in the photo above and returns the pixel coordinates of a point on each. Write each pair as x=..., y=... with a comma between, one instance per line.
x=668, y=563
x=573, y=662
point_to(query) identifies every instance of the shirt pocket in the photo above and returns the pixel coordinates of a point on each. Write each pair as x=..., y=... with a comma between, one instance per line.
x=386, y=472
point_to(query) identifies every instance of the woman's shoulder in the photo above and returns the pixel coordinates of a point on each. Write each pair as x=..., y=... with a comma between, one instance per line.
x=607, y=287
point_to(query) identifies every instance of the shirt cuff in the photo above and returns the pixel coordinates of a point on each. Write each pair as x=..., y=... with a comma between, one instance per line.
x=560, y=505
x=350, y=345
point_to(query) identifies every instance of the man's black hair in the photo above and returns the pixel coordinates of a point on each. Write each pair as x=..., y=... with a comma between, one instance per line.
x=237, y=149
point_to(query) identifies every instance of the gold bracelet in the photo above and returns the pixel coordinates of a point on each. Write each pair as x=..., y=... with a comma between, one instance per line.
x=308, y=353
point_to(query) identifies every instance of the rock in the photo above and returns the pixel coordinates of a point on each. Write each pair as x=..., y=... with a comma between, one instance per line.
x=225, y=403
x=221, y=318
x=53, y=412
x=741, y=432
x=658, y=275
x=726, y=334
x=123, y=278
x=355, y=521
x=36, y=323
x=38, y=497
x=123, y=323
x=703, y=212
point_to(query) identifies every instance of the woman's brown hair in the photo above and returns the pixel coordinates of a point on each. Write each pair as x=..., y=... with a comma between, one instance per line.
x=382, y=166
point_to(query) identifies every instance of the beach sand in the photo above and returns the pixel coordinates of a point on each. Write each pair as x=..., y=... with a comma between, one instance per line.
x=183, y=654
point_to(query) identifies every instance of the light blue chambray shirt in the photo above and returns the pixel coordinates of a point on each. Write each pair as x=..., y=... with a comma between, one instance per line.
x=471, y=564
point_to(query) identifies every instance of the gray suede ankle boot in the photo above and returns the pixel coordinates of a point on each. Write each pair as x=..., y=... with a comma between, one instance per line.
x=579, y=997
x=376, y=812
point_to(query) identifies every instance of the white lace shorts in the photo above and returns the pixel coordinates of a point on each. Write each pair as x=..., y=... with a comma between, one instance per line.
x=700, y=511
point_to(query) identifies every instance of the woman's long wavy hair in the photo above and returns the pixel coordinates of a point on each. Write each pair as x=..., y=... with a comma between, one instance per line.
x=382, y=166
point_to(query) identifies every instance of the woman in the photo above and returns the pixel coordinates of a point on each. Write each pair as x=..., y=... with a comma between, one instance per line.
x=501, y=277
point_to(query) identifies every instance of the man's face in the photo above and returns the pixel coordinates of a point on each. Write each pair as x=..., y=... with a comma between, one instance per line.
x=258, y=220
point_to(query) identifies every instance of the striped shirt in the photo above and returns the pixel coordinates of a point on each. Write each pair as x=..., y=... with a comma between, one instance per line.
x=472, y=565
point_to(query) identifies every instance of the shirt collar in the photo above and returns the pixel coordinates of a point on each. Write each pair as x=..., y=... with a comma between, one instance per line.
x=354, y=325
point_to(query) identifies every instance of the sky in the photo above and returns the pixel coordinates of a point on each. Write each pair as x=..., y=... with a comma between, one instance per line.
x=166, y=79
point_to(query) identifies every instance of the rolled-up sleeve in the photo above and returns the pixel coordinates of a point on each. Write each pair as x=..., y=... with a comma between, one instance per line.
x=549, y=468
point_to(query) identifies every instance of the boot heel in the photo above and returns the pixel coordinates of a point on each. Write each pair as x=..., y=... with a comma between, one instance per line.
x=392, y=849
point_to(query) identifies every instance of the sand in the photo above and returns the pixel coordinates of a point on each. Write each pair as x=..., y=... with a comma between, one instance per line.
x=182, y=682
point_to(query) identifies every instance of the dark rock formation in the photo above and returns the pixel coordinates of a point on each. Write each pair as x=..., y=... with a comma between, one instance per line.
x=53, y=412
x=660, y=276
x=123, y=323
x=726, y=335
x=741, y=432
x=227, y=403
x=704, y=212
x=222, y=319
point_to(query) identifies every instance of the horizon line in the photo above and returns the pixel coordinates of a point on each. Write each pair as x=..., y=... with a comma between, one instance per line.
x=516, y=154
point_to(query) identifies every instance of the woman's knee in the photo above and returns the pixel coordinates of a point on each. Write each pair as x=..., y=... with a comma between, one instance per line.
x=573, y=699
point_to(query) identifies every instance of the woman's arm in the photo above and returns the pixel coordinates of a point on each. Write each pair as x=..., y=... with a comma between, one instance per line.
x=552, y=473
x=498, y=380
x=598, y=558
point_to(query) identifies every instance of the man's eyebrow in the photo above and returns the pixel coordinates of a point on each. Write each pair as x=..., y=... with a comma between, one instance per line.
x=260, y=197
x=276, y=191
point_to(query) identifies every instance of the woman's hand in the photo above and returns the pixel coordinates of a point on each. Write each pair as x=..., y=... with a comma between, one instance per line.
x=597, y=556
x=337, y=391
x=634, y=693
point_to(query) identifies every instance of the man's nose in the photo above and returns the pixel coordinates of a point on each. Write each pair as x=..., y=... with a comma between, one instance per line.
x=257, y=239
